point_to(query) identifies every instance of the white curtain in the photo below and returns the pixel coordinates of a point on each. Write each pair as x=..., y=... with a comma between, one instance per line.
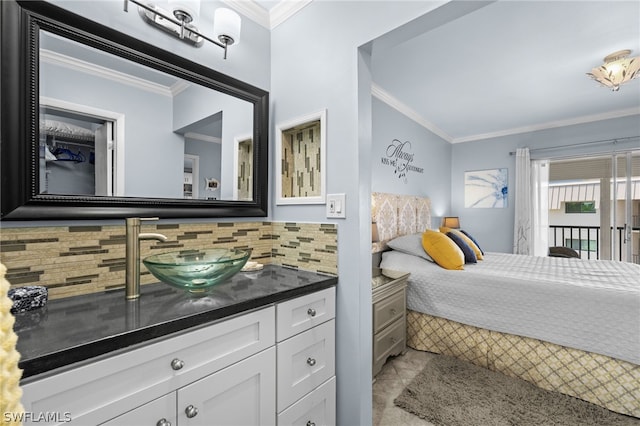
x=540, y=207
x=531, y=234
x=522, y=228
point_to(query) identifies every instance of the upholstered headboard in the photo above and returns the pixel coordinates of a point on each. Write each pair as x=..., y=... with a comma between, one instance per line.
x=397, y=215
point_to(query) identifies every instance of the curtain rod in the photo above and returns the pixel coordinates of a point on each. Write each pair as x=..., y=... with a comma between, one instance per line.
x=604, y=141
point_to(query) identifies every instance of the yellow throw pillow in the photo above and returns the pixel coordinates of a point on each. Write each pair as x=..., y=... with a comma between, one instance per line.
x=443, y=250
x=469, y=241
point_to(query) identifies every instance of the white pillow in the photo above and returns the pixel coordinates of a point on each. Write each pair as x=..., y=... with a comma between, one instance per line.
x=410, y=244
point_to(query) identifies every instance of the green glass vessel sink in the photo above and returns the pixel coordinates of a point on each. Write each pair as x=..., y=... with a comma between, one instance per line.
x=196, y=270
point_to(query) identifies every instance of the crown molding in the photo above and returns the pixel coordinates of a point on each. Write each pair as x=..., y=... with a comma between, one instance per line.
x=551, y=125
x=55, y=58
x=202, y=138
x=251, y=10
x=178, y=87
x=268, y=19
x=285, y=10
x=402, y=108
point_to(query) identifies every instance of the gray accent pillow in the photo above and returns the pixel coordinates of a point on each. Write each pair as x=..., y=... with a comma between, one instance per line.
x=410, y=244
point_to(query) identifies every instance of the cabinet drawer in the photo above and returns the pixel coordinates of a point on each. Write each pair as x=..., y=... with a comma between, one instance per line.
x=304, y=362
x=300, y=314
x=317, y=408
x=242, y=394
x=129, y=380
x=388, y=310
x=150, y=413
x=391, y=340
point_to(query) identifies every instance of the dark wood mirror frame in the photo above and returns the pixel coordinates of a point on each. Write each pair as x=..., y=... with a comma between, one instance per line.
x=19, y=92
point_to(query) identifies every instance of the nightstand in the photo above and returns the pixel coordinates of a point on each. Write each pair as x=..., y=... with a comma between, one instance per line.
x=389, y=315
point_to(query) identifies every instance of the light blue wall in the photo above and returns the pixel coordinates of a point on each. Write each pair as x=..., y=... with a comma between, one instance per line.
x=431, y=154
x=493, y=228
x=316, y=64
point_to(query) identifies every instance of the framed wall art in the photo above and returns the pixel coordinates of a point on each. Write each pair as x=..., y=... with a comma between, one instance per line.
x=486, y=188
x=301, y=160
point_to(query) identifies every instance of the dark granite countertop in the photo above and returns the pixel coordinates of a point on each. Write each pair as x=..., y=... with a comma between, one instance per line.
x=79, y=328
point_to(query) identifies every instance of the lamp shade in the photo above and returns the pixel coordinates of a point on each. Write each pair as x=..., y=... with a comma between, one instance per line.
x=451, y=222
x=374, y=232
x=226, y=26
x=616, y=70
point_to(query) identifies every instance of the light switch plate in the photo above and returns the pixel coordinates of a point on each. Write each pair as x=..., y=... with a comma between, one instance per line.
x=336, y=206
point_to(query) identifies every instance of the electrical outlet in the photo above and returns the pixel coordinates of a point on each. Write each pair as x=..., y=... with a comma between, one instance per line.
x=336, y=206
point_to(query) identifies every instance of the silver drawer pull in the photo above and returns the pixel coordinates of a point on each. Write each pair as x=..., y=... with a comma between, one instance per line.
x=191, y=411
x=393, y=311
x=163, y=422
x=311, y=362
x=393, y=340
x=177, y=364
x=311, y=312
x=310, y=423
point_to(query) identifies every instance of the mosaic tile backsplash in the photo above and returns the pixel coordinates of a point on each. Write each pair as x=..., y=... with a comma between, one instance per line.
x=76, y=260
x=301, y=173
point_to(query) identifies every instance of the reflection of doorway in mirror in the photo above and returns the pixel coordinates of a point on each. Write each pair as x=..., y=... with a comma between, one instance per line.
x=243, y=189
x=191, y=176
x=73, y=154
x=81, y=148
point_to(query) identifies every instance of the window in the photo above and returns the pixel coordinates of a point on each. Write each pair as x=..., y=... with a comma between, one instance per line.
x=581, y=245
x=580, y=207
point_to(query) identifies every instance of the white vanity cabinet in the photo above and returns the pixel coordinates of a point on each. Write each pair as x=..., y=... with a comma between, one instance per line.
x=239, y=371
x=102, y=390
x=306, y=360
x=242, y=394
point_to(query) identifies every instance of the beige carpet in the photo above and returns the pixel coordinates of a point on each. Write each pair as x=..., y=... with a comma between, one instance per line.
x=450, y=392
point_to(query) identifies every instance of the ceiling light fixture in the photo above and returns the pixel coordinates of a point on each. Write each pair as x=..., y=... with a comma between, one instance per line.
x=180, y=20
x=616, y=70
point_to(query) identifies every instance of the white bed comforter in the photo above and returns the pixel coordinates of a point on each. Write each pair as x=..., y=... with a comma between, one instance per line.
x=584, y=304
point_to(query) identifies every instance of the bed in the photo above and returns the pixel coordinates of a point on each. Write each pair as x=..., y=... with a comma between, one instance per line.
x=567, y=325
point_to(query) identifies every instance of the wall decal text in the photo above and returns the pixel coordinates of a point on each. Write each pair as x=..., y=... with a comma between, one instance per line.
x=398, y=155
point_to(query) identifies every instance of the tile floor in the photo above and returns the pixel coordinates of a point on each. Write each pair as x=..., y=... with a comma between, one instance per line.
x=395, y=375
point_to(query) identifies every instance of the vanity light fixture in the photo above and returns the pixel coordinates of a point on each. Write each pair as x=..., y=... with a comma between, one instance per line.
x=180, y=20
x=616, y=70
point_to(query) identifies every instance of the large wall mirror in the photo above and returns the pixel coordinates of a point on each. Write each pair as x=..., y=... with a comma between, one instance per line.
x=97, y=124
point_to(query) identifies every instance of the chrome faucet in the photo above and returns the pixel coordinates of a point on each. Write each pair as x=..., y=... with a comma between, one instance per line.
x=132, y=277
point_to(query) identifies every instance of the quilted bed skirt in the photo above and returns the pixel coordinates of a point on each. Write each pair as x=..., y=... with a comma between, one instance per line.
x=602, y=380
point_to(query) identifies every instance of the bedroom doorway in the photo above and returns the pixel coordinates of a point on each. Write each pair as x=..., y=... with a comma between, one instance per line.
x=594, y=205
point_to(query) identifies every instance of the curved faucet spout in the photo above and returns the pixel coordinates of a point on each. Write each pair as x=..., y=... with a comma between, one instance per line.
x=152, y=236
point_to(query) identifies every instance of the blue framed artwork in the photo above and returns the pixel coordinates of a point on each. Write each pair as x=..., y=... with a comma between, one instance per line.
x=486, y=189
